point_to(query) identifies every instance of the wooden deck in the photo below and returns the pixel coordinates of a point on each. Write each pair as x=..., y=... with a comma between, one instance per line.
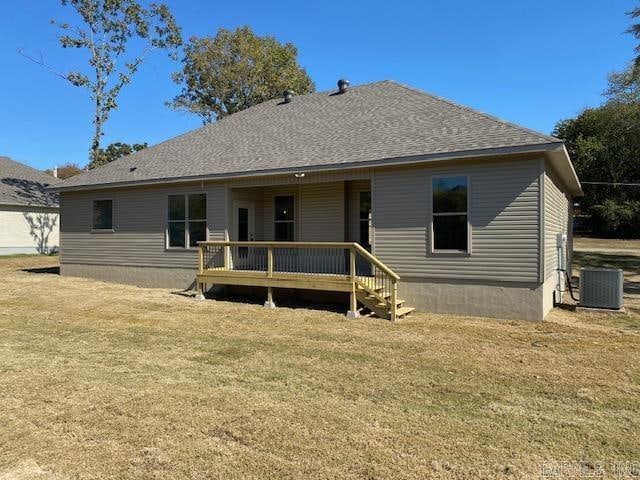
x=327, y=266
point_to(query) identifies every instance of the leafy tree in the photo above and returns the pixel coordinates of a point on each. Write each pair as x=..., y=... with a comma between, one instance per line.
x=236, y=70
x=624, y=86
x=113, y=152
x=67, y=170
x=618, y=219
x=107, y=30
x=634, y=30
x=604, y=144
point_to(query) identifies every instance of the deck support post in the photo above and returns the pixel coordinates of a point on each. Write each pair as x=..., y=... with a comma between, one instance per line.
x=269, y=303
x=394, y=301
x=200, y=287
x=200, y=291
x=353, y=305
x=353, y=299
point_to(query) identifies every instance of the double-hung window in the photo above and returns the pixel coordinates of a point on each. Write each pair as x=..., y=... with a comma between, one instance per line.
x=450, y=214
x=284, y=218
x=103, y=215
x=187, y=220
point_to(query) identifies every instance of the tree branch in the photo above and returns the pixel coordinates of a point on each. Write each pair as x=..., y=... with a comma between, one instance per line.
x=43, y=64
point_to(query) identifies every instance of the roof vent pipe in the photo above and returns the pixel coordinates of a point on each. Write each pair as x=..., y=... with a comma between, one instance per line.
x=55, y=172
x=343, y=84
x=288, y=96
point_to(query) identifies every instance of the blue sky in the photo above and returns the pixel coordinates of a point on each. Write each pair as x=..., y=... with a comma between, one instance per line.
x=528, y=62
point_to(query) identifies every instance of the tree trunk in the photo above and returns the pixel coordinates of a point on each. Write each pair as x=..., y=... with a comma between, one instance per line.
x=97, y=132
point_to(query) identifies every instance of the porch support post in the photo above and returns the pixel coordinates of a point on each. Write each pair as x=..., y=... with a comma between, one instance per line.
x=353, y=299
x=269, y=303
x=227, y=262
x=201, y=258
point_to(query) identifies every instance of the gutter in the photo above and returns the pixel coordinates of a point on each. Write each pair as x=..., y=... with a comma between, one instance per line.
x=394, y=161
x=561, y=161
x=26, y=205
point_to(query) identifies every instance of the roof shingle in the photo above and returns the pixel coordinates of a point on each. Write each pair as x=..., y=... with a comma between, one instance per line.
x=23, y=185
x=376, y=121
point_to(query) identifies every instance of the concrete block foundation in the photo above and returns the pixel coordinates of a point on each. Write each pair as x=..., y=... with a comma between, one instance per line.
x=507, y=300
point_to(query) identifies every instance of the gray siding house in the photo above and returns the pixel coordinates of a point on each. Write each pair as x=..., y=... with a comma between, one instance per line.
x=458, y=211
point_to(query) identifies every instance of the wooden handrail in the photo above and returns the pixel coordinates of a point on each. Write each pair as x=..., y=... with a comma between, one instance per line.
x=373, y=259
x=355, y=246
x=233, y=243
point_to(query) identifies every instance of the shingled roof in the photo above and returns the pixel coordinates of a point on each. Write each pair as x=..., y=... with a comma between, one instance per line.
x=25, y=186
x=368, y=123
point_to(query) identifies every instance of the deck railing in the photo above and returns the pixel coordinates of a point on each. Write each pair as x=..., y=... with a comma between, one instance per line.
x=341, y=260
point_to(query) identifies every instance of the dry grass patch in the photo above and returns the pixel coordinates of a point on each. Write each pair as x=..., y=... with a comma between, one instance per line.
x=594, y=244
x=110, y=381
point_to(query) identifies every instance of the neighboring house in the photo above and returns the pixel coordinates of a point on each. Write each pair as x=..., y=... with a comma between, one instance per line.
x=28, y=212
x=463, y=207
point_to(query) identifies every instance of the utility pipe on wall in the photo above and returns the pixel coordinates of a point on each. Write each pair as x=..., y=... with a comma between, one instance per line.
x=561, y=245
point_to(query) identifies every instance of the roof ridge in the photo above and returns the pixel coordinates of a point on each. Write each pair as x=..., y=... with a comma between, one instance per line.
x=476, y=111
x=209, y=125
x=243, y=111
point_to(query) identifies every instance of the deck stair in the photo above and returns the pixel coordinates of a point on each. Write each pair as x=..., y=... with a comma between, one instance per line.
x=330, y=266
x=379, y=302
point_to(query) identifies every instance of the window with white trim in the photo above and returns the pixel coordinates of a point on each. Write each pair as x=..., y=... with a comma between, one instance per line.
x=187, y=220
x=450, y=214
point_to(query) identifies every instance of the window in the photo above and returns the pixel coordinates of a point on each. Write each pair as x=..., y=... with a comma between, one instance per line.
x=365, y=220
x=103, y=214
x=187, y=220
x=450, y=215
x=284, y=219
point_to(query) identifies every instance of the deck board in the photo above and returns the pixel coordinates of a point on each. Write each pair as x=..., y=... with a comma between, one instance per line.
x=307, y=281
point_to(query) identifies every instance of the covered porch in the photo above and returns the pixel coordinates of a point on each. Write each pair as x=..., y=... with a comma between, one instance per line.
x=304, y=211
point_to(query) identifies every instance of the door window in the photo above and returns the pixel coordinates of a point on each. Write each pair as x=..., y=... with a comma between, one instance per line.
x=365, y=219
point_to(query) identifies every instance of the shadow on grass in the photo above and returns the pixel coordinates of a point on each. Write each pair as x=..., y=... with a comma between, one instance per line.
x=306, y=299
x=630, y=264
x=45, y=270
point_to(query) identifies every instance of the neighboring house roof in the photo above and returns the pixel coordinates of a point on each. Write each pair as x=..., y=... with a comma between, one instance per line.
x=25, y=186
x=376, y=122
